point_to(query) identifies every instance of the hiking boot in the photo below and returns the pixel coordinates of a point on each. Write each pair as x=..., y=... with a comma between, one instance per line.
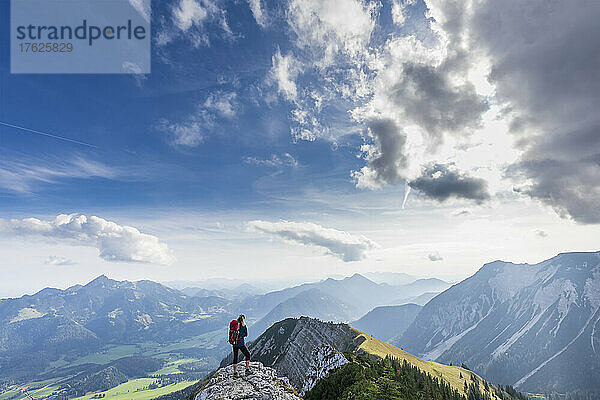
x=249, y=371
x=235, y=374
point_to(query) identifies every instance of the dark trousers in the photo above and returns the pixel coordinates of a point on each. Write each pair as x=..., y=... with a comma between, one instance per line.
x=244, y=350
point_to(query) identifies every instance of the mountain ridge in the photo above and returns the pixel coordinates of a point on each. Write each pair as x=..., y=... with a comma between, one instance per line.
x=519, y=323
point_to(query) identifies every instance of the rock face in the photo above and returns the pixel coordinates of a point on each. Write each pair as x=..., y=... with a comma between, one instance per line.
x=532, y=326
x=304, y=349
x=262, y=384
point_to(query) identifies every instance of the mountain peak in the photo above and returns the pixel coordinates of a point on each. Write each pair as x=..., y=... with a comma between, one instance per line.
x=263, y=383
x=100, y=281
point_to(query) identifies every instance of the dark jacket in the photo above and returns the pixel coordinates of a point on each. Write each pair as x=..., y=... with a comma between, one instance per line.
x=243, y=333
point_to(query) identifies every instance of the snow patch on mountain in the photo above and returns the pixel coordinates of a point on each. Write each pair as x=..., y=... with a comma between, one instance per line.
x=591, y=289
x=25, y=314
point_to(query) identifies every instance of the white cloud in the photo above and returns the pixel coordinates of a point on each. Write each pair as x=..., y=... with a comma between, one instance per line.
x=343, y=245
x=113, y=241
x=332, y=27
x=195, y=127
x=188, y=133
x=194, y=21
x=258, y=12
x=191, y=12
x=399, y=10
x=435, y=256
x=283, y=72
x=286, y=159
x=222, y=102
x=56, y=260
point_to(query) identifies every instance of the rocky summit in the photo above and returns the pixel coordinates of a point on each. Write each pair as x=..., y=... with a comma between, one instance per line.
x=262, y=384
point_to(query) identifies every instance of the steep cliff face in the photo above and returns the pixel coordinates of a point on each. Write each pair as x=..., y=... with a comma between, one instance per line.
x=304, y=349
x=263, y=384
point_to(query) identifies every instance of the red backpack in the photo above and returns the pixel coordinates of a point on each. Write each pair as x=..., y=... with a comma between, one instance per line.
x=234, y=331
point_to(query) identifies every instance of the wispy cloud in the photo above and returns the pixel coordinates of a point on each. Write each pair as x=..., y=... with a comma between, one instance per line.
x=114, y=242
x=23, y=175
x=195, y=21
x=340, y=244
x=285, y=160
x=56, y=260
x=192, y=130
x=258, y=12
x=284, y=71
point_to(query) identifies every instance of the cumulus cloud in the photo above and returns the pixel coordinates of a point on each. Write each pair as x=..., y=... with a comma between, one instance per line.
x=386, y=158
x=330, y=28
x=113, y=241
x=435, y=257
x=544, y=70
x=441, y=182
x=56, y=260
x=412, y=94
x=540, y=233
x=285, y=160
x=340, y=244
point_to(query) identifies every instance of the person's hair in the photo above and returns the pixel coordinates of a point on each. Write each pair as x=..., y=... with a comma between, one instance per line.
x=242, y=319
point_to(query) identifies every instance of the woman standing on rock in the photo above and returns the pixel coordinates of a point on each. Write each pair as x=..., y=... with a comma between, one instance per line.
x=240, y=345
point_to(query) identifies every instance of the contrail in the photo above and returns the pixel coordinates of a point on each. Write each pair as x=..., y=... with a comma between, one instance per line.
x=66, y=139
x=406, y=192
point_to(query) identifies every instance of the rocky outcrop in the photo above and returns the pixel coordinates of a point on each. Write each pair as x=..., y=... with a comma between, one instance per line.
x=303, y=349
x=262, y=384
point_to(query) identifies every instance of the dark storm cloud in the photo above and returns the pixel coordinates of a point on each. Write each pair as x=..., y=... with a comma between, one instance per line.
x=572, y=188
x=390, y=140
x=441, y=182
x=546, y=70
x=427, y=98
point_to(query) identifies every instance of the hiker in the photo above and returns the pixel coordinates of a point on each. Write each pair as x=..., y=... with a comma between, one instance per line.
x=237, y=332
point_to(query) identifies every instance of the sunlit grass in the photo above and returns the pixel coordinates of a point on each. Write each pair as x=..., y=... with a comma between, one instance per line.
x=134, y=390
x=450, y=374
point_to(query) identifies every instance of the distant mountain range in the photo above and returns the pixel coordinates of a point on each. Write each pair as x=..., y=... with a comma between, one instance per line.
x=534, y=326
x=355, y=296
x=387, y=323
x=83, y=319
x=391, y=278
x=53, y=327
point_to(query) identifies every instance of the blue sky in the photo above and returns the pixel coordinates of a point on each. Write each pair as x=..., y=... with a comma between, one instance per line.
x=313, y=117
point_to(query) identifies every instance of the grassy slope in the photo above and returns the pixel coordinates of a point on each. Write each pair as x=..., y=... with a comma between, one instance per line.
x=133, y=390
x=450, y=374
x=172, y=367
